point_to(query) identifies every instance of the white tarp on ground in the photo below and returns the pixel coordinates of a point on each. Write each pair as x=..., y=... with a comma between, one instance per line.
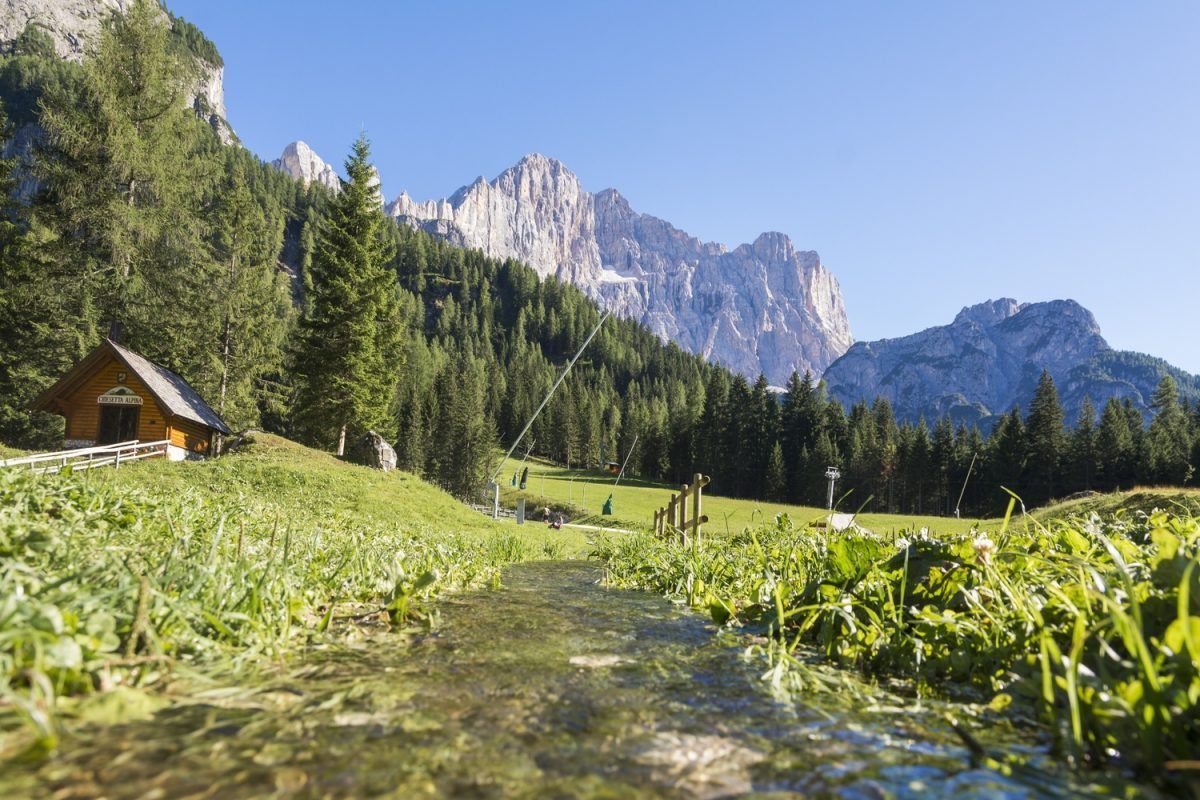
x=840, y=522
x=845, y=522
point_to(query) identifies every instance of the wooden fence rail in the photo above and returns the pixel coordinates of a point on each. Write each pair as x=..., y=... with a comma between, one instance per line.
x=110, y=455
x=674, y=518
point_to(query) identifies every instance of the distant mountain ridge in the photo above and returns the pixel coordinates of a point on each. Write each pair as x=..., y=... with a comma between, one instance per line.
x=761, y=307
x=988, y=360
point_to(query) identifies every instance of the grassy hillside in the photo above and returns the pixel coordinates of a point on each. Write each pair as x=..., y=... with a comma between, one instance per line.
x=634, y=503
x=1140, y=499
x=142, y=579
x=305, y=487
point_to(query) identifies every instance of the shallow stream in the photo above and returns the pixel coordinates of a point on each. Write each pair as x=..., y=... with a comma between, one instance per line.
x=553, y=686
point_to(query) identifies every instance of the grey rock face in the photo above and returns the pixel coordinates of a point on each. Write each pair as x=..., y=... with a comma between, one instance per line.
x=762, y=307
x=989, y=359
x=71, y=24
x=74, y=25
x=299, y=161
x=374, y=452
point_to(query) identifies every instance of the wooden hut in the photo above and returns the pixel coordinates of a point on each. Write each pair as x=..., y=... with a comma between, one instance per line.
x=115, y=395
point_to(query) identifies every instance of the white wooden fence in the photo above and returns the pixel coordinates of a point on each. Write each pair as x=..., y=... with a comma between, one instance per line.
x=108, y=455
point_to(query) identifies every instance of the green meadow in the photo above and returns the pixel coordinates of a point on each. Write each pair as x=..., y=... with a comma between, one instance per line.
x=582, y=493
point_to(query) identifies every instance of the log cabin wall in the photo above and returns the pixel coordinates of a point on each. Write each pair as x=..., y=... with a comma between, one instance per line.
x=190, y=436
x=83, y=412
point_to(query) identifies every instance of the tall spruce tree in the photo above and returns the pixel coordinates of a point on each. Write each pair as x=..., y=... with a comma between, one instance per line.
x=1115, y=447
x=1168, y=445
x=776, y=486
x=350, y=343
x=1083, y=447
x=1045, y=438
x=43, y=323
x=465, y=441
x=252, y=297
x=1006, y=456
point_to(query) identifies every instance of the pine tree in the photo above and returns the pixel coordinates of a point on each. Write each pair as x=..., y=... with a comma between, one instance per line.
x=714, y=421
x=350, y=344
x=1168, y=444
x=1006, y=456
x=253, y=300
x=942, y=457
x=1083, y=447
x=918, y=466
x=738, y=448
x=762, y=420
x=1045, y=438
x=43, y=323
x=465, y=440
x=1115, y=449
x=793, y=422
x=776, y=475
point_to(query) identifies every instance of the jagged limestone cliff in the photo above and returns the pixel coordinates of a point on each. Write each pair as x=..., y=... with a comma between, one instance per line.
x=73, y=26
x=761, y=307
x=299, y=161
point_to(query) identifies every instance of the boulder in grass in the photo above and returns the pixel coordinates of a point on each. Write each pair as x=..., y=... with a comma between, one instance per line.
x=374, y=451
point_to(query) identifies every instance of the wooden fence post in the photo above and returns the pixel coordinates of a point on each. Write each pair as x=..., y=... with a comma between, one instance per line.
x=683, y=498
x=673, y=518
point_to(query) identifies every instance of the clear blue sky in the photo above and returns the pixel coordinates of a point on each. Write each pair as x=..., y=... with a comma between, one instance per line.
x=936, y=154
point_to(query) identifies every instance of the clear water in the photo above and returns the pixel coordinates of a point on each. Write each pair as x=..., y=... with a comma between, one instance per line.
x=553, y=686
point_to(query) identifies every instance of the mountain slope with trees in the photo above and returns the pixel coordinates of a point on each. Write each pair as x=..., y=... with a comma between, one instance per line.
x=299, y=311
x=989, y=359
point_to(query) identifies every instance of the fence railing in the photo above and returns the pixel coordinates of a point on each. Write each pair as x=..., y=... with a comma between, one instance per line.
x=108, y=455
x=675, y=518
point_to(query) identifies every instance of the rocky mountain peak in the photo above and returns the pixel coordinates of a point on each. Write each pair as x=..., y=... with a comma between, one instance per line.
x=74, y=26
x=302, y=163
x=989, y=360
x=990, y=312
x=762, y=307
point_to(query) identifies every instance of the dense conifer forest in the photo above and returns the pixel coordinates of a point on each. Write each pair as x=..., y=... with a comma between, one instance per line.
x=300, y=312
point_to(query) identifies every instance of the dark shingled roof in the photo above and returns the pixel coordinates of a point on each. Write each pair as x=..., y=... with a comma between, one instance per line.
x=172, y=391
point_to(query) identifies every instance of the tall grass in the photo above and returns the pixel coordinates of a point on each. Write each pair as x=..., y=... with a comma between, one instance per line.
x=1094, y=624
x=102, y=586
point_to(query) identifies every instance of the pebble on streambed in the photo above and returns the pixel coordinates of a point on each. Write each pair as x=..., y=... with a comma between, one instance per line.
x=599, y=661
x=704, y=766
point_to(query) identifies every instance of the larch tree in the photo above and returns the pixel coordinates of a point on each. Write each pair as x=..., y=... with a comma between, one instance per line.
x=127, y=164
x=350, y=343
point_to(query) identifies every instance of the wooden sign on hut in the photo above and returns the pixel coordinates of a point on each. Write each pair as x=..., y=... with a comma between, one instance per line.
x=115, y=395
